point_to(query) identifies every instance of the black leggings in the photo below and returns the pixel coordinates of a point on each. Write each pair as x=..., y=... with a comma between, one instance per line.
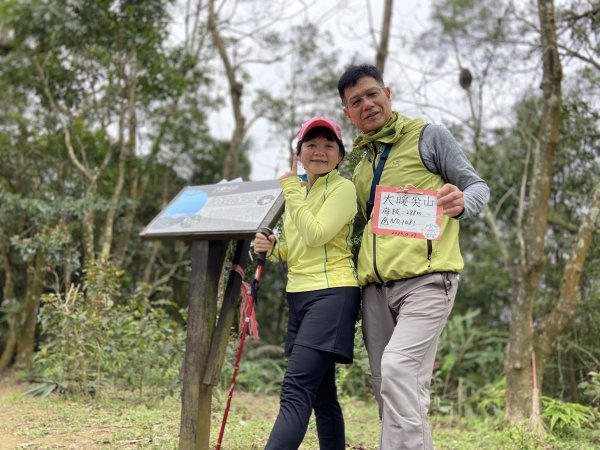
x=309, y=383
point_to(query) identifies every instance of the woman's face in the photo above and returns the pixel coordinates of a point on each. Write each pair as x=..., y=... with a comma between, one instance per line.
x=319, y=156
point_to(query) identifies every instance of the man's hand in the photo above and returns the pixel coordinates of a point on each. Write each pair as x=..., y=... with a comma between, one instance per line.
x=451, y=199
x=262, y=244
x=293, y=172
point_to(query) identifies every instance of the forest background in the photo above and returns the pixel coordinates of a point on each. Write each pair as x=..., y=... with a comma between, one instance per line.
x=108, y=110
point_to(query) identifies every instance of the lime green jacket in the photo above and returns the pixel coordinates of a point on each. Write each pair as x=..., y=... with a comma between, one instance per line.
x=317, y=229
x=383, y=257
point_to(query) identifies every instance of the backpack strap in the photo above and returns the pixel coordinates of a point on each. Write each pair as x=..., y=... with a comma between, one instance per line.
x=376, y=178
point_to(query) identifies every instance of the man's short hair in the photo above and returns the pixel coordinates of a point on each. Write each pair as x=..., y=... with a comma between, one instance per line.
x=354, y=73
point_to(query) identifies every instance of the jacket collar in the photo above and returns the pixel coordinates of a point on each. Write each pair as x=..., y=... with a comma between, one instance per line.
x=322, y=179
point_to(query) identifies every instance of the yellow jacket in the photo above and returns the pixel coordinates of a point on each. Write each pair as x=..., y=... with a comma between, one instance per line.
x=317, y=230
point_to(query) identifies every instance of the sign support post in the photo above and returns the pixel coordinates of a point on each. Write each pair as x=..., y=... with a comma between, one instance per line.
x=207, y=265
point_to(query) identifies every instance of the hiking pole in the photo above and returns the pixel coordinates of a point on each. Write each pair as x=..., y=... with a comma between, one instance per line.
x=250, y=297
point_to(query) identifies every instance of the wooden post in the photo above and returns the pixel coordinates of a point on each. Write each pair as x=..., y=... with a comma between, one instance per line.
x=207, y=265
x=222, y=332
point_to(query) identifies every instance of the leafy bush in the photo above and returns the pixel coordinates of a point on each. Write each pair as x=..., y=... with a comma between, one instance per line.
x=354, y=380
x=469, y=358
x=492, y=398
x=568, y=418
x=591, y=388
x=94, y=336
x=522, y=438
x=261, y=368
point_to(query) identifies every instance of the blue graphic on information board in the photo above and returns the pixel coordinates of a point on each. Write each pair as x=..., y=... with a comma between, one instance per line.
x=188, y=203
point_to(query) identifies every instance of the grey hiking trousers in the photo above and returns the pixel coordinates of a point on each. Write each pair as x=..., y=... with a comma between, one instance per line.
x=402, y=321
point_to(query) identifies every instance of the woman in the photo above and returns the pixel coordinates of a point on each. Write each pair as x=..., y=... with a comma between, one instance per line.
x=322, y=289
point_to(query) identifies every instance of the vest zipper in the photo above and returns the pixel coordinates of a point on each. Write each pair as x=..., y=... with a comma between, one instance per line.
x=375, y=258
x=429, y=251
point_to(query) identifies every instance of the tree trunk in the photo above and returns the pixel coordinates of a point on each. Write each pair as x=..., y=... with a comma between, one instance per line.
x=9, y=347
x=382, y=49
x=8, y=295
x=564, y=310
x=518, y=367
x=139, y=177
x=87, y=223
x=28, y=313
x=126, y=148
x=230, y=169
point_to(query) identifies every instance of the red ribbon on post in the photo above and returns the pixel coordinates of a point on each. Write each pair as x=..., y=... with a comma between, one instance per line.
x=247, y=305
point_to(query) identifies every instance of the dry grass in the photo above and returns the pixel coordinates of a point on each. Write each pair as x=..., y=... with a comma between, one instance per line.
x=56, y=422
x=119, y=422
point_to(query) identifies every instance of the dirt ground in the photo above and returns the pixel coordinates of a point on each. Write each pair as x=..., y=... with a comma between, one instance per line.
x=21, y=423
x=28, y=423
x=45, y=423
x=8, y=421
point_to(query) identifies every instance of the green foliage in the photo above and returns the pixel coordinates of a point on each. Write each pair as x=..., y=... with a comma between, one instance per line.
x=491, y=400
x=591, y=388
x=470, y=356
x=260, y=371
x=568, y=418
x=42, y=389
x=521, y=438
x=92, y=337
x=103, y=121
x=354, y=380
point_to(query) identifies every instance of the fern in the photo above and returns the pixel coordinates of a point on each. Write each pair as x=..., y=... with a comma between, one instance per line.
x=567, y=418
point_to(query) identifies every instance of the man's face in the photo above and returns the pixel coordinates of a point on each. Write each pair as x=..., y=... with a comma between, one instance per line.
x=368, y=105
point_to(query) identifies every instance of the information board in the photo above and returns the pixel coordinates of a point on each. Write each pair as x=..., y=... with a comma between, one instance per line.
x=234, y=210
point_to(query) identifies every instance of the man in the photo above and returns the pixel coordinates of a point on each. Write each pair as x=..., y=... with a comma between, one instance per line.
x=409, y=284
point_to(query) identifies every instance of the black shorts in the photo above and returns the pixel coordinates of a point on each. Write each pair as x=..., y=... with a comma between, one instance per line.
x=324, y=320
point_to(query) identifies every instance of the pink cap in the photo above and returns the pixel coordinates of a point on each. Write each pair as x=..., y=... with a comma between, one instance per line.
x=319, y=122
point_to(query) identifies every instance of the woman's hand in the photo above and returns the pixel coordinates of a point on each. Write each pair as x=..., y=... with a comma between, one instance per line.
x=293, y=172
x=262, y=244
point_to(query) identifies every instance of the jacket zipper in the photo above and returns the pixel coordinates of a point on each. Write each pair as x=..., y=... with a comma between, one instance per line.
x=325, y=245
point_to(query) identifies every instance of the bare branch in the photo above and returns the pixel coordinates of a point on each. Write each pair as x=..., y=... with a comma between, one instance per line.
x=57, y=108
x=574, y=54
x=490, y=218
